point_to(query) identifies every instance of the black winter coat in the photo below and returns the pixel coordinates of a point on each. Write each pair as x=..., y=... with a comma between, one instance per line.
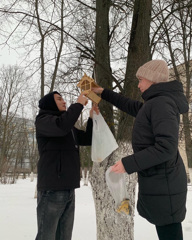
x=161, y=173
x=58, y=143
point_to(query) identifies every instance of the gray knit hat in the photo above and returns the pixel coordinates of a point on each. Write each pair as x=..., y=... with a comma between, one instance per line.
x=155, y=71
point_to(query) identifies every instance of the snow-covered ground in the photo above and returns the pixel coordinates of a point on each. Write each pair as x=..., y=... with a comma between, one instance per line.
x=18, y=214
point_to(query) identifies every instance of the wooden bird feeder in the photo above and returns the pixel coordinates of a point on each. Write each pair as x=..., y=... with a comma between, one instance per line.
x=85, y=84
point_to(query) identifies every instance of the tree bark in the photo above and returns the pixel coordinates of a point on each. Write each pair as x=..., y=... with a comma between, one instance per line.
x=112, y=225
x=139, y=52
x=41, y=49
x=102, y=63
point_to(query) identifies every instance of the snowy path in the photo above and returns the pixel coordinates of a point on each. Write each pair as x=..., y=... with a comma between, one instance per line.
x=18, y=215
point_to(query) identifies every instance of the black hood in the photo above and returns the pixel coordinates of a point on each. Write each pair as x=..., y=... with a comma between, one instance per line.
x=48, y=102
x=173, y=89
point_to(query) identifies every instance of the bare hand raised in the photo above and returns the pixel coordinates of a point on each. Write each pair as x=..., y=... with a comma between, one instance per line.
x=97, y=90
x=94, y=108
x=82, y=99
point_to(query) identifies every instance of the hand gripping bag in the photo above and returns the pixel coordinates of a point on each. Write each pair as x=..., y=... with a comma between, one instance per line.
x=103, y=141
x=116, y=183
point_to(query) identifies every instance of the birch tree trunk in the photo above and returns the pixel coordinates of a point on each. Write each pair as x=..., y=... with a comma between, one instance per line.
x=110, y=224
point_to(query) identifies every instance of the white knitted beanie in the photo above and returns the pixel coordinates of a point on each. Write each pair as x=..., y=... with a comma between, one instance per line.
x=155, y=71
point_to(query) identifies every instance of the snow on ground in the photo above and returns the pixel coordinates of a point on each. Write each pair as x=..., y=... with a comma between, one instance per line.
x=18, y=214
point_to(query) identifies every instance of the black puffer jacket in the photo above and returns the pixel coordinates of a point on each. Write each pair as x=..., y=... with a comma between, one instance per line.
x=161, y=172
x=58, y=143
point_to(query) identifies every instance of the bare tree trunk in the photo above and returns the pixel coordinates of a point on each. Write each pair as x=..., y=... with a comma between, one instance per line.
x=110, y=224
x=139, y=52
x=102, y=65
x=41, y=49
x=60, y=48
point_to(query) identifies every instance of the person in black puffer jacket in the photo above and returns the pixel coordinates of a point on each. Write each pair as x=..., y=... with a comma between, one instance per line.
x=59, y=164
x=162, y=177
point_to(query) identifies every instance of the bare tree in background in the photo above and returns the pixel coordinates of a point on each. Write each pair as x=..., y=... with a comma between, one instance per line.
x=51, y=54
x=13, y=91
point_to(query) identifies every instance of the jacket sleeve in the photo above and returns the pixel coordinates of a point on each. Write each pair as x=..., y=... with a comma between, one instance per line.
x=165, y=127
x=84, y=138
x=123, y=103
x=48, y=125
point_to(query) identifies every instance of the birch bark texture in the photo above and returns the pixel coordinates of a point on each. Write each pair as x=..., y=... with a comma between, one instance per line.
x=110, y=224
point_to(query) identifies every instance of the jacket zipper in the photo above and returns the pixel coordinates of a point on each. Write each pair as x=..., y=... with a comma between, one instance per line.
x=76, y=145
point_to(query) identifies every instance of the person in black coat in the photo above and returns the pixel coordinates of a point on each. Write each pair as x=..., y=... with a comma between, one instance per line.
x=162, y=177
x=59, y=164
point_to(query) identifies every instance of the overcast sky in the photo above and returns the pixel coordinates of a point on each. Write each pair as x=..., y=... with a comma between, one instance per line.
x=8, y=57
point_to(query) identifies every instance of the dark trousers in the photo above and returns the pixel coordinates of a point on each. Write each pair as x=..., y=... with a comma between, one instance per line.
x=55, y=214
x=170, y=232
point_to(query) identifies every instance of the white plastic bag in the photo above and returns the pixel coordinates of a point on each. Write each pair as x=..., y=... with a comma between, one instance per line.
x=116, y=183
x=103, y=141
